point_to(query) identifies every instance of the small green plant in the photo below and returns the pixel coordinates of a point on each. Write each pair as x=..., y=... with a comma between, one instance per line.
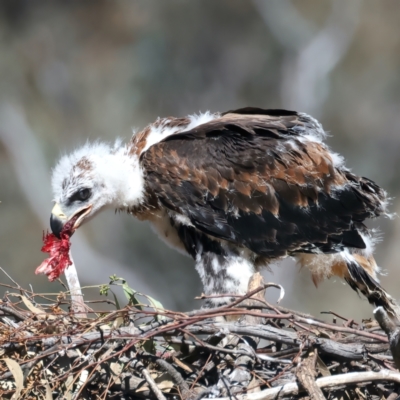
x=131, y=295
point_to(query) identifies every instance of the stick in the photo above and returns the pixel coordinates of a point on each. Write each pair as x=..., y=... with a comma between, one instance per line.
x=343, y=351
x=176, y=377
x=10, y=311
x=11, y=279
x=306, y=374
x=327, y=382
x=153, y=386
x=392, y=331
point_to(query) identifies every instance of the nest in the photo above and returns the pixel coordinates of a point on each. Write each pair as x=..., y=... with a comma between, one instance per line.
x=247, y=349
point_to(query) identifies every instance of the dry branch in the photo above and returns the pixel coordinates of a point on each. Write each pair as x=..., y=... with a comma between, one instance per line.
x=392, y=330
x=324, y=383
x=306, y=374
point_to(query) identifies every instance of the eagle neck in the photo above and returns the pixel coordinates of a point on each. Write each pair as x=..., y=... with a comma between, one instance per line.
x=125, y=180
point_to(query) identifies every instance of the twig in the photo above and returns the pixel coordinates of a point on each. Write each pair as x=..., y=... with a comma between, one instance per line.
x=228, y=389
x=287, y=367
x=10, y=311
x=11, y=279
x=176, y=377
x=327, y=346
x=201, y=372
x=306, y=374
x=338, y=316
x=244, y=297
x=392, y=331
x=336, y=328
x=327, y=382
x=153, y=386
x=235, y=352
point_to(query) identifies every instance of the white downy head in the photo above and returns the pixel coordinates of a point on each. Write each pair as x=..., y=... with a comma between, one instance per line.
x=93, y=177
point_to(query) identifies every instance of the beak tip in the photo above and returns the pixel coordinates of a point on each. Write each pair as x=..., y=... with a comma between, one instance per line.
x=56, y=225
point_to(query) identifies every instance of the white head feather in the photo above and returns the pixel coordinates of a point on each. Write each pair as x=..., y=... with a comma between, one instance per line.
x=113, y=176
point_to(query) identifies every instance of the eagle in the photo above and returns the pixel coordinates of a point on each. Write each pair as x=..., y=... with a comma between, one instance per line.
x=235, y=191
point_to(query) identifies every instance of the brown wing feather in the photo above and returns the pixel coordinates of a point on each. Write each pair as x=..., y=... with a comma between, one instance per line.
x=253, y=179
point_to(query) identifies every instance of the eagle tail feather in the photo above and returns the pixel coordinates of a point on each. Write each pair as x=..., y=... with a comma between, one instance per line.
x=360, y=279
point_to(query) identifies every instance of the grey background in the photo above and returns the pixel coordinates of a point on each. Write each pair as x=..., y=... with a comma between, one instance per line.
x=76, y=71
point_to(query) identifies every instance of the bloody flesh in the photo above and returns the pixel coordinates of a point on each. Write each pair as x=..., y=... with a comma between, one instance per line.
x=58, y=249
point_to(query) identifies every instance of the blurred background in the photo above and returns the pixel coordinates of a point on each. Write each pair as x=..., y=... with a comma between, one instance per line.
x=74, y=71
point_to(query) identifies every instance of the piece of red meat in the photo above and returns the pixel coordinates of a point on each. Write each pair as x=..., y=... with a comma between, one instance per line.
x=58, y=249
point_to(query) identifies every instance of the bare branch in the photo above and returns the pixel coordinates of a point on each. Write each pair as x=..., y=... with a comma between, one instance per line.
x=306, y=375
x=328, y=382
x=393, y=332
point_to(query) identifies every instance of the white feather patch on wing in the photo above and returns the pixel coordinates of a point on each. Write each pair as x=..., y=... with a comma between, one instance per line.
x=162, y=130
x=159, y=133
x=200, y=119
x=313, y=128
x=314, y=132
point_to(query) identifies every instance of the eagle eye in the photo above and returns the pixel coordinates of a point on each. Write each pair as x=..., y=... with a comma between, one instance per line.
x=81, y=195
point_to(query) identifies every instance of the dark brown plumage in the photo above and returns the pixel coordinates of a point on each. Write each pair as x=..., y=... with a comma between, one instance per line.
x=252, y=181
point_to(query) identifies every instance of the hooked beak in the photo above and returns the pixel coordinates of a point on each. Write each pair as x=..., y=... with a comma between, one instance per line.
x=58, y=219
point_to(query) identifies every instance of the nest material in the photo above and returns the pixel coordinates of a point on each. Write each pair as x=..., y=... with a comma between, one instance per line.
x=247, y=349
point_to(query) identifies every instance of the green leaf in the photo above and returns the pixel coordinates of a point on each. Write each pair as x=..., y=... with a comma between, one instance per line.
x=131, y=295
x=114, y=278
x=156, y=305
